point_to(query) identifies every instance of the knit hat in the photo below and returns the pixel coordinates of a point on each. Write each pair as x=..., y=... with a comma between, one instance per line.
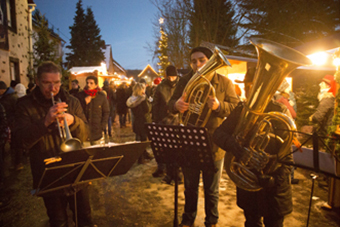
x=206, y=51
x=329, y=79
x=3, y=85
x=171, y=71
x=157, y=81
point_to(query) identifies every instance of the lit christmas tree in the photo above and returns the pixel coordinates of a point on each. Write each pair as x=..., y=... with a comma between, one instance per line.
x=162, y=51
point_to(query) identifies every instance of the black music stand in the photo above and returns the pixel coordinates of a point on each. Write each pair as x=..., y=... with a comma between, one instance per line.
x=181, y=146
x=73, y=169
x=314, y=160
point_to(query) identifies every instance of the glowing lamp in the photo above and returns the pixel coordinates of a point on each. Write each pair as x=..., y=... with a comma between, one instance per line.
x=319, y=58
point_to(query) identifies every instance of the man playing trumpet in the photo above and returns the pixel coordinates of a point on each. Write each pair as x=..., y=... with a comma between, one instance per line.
x=36, y=129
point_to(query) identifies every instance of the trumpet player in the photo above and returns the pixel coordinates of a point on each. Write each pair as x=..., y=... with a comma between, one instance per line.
x=36, y=129
x=270, y=204
x=221, y=105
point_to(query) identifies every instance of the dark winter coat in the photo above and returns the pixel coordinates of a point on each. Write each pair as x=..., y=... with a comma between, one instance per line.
x=161, y=97
x=8, y=101
x=96, y=112
x=3, y=126
x=112, y=99
x=324, y=114
x=225, y=93
x=122, y=95
x=75, y=91
x=277, y=198
x=41, y=141
x=140, y=109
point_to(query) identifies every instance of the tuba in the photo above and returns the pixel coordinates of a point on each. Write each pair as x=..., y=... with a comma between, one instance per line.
x=254, y=129
x=199, y=88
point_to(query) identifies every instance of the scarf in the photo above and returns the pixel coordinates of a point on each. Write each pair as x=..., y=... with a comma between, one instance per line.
x=93, y=92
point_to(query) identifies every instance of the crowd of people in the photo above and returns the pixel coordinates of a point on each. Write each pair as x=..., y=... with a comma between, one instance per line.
x=91, y=113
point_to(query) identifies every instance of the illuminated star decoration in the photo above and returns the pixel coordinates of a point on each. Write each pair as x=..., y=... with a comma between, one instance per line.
x=161, y=20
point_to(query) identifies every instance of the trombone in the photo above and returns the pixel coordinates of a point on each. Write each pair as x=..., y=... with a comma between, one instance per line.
x=69, y=143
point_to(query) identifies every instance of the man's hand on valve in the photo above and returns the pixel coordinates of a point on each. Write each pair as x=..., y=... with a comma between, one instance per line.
x=213, y=103
x=181, y=105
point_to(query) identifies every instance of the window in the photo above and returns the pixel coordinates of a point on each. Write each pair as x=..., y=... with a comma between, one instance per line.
x=11, y=16
x=14, y=69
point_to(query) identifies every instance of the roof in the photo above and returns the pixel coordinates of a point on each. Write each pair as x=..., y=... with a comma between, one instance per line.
x=108, y=57
x=146, y=68
x=87, y=69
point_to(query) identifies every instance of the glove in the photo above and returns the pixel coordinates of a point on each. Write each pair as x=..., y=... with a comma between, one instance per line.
x=266, y=181
x=235, y=148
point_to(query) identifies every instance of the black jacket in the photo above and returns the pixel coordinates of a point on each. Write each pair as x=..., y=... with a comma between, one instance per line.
x=277, y=198
x=161, y=97
x=96, y=112
x=8, y=101
x=140, y=109
x=31, y=133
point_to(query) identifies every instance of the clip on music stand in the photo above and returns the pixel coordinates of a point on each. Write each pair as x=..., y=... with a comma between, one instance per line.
x=76, y=168
x=182, y=146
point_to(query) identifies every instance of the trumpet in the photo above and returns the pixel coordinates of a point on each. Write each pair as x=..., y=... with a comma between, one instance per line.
x=69, y=143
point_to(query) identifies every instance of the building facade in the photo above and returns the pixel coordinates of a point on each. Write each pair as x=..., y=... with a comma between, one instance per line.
x=14, y=40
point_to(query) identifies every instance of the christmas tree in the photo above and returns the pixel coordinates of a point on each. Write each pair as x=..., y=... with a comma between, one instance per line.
x=162, y=51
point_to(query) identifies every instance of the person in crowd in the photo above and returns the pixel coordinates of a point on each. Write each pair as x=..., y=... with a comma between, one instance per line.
x=75, y=87
x=8, y=98
x=221, y=107
x=274, y=200
x=112, y=99
x=149, y=98
x=122, y=109
x=13, y=83
x=323, y=115
x=322, y=118
x=96, y=109
x=30, y=88
x=283, y=97
x=3, y=140
x=36, y=129
x=139, y=107
x=20, y=89
x=162, y=115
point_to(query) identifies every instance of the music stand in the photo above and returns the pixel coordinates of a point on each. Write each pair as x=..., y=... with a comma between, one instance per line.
x=182, y=146
x=315, y=160
x=73, y=169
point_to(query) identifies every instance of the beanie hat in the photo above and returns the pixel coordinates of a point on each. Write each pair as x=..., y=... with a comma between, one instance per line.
x=206, y=51
x=329, y=79
x=171, y=71
x=157, y=81
x=3, y=85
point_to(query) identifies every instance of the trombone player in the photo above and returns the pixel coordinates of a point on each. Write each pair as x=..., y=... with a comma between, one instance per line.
x=221, y=105
x=37, y=130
